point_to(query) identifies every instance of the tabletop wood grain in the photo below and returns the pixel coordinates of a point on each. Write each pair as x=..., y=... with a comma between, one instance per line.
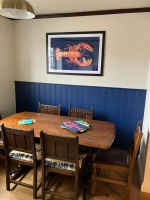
x=100, y=135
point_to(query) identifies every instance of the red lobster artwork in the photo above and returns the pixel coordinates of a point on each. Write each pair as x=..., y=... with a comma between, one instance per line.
x=75, y=54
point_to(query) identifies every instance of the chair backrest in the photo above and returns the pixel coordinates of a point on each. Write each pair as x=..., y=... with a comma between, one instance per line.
x=133, y=151
x=80, y=113
x=19, y=140
x=49, y=109
x=60, y=148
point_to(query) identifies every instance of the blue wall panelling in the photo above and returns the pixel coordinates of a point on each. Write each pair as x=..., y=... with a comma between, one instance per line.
x=123, y=107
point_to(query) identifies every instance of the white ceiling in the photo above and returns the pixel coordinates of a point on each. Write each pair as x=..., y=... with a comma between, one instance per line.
x=68, y=6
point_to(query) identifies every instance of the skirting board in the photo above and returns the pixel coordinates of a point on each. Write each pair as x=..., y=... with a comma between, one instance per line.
x=141, y=173
x=145, y=187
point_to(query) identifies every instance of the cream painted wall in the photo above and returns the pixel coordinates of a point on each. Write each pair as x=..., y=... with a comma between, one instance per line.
x=127, y=49
x=7, y=69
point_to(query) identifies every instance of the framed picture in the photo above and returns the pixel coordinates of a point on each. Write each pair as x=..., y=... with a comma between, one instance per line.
x=75, y=53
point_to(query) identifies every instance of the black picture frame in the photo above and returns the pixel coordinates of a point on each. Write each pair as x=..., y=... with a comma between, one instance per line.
x=75, y=53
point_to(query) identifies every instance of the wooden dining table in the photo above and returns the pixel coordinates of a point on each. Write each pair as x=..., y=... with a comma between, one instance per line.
x=101, y=134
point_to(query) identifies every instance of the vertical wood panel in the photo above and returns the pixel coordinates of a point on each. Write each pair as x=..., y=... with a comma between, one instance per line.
x=74, y=94
x=104, y=99
x=140, y=99
x=80, y=97
x=32, y=97
x=53, y=94
x=69, y=95
x=124, y=112
x=111, y=104
x=64, y=99
x=98, y=104
x=57, y=93
x=86, y=97
x=123, y=107
x=42, y=92
x=22, y=96
x=37, y=95
x=92, y=94
x=47, y=96
x=131, y=112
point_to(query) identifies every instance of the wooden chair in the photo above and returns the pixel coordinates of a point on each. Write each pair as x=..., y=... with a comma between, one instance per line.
x=117, y=160
x=19, y=147
x=60, y=155
x=86, y=114
x=1, y=143
x=49, y=109
x=80, y=113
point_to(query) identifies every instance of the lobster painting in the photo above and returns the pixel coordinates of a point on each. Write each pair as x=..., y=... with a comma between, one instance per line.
x=76, y=54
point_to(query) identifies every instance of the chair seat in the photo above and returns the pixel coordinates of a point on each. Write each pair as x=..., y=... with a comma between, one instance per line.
x=112, y=157
x=64, y=165
x=26, y=156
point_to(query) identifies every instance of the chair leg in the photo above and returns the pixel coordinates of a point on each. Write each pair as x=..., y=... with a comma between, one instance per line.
x=35, y=182
x=87, y=172
x=128, y=191
x=93, y=181
x=76, y=188
x=85, y=192
x=43, y=182
x=8, y=168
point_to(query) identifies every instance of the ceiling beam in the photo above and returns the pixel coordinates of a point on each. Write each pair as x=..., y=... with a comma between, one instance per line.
x=90, y=13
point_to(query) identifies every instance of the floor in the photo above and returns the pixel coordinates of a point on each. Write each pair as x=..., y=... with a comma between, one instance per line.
x=104, y=191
